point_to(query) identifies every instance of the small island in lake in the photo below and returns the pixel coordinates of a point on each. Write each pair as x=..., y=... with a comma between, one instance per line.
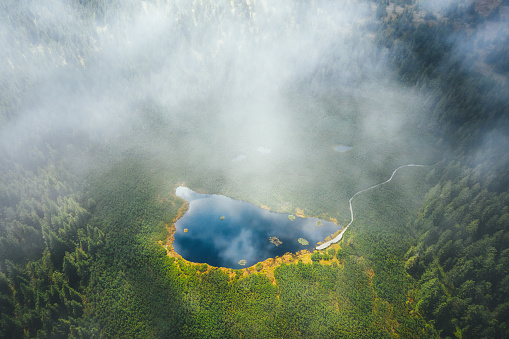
x=275, y=241
x=303, y=241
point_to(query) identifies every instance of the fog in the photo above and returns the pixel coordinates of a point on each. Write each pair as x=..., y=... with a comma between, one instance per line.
x=240, y=98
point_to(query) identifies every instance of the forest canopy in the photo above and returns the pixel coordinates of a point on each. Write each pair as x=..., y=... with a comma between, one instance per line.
x=108, y=106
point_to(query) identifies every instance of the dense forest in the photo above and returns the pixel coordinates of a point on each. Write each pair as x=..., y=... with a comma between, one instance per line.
x=107, y=106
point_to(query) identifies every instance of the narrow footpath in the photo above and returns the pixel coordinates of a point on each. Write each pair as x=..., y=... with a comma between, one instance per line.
x=340, y=235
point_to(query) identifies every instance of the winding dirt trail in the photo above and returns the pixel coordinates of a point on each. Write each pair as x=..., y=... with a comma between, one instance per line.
x=340, y=235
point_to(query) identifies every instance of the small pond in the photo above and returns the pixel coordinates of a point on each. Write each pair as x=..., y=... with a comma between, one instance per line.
x=342, y=148
x=224, y=232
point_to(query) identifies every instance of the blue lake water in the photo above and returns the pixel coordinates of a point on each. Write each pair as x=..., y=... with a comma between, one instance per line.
x=222, y=231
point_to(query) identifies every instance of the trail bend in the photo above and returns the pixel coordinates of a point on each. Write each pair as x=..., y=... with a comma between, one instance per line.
x=340, y=235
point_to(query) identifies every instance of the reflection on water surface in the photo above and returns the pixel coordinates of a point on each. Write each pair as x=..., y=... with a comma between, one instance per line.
x=222, y=231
